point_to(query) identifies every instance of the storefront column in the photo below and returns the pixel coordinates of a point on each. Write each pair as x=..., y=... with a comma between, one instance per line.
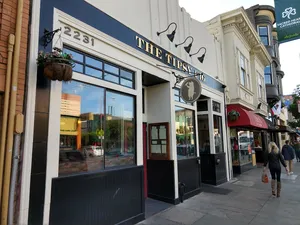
x=139, y=118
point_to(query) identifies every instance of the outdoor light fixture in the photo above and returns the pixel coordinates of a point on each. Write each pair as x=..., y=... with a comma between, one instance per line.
x=201, y=58
x=172, y=35
x=186, y=48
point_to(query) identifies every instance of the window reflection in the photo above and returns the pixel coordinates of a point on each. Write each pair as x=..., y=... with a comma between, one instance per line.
x=93, y=72
x=218, y=134
x=90, y=137
x=111, y=69
x=111, y=78
x=203, y=134
x=120, y=130
x=93, y=62
x=185, y=135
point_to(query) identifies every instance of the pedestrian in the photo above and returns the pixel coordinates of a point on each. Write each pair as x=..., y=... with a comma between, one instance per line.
x=288, y=154
x=297, y=150
x=273, y=158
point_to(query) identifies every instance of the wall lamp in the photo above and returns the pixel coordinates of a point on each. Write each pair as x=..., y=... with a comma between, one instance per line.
x=201, y=58
x=170, y=36
x=187, y=48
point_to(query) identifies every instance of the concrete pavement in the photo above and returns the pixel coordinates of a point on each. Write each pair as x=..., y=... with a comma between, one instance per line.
x=249, y=202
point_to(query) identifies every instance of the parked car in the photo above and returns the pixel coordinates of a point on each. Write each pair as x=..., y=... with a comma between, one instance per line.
x=92, y=151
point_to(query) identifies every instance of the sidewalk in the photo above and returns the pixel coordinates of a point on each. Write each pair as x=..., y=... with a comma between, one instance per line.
x=245, y=200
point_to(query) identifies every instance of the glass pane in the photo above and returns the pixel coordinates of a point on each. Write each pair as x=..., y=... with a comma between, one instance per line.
x=263, y=31
x=267, y=69
x=216, y=107
x=120, y=130
x=75, y=55
x=176, y=92
x=245, y=141
x=268, y=79
x=93, y=62
x=202, y=106
x=242, y=61
x=185, y=138
x=78, y=68
x=93, y=72
x=203, y=134
x=126, y=74
x=242, y=78
x=126, y=83
x=81, y=128
x=264, y=40
x=111, y=69
x=176, y=98
x=111, y=78
x=218, y=134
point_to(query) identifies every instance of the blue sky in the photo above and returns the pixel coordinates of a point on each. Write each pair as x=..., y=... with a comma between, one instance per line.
x=203, y=10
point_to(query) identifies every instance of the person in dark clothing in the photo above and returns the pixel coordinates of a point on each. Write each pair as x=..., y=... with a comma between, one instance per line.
x=297, y=150
x=273, y=157
x=288, y=154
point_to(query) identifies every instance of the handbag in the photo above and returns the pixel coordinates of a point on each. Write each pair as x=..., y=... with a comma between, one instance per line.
x=265, y=178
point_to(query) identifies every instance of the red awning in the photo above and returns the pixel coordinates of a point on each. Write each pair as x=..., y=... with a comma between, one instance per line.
x=247, y=118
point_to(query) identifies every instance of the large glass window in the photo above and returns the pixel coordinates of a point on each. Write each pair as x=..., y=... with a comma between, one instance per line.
x=98, y=68
x=268, y=75
x=264, y=34
x=185, y=133
x=203, y=134
x=218, y=134
x=92, y=138
x=119, y=130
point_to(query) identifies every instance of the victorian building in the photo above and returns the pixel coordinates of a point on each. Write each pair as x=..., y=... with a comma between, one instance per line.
x=244, y=60
x=263, y=20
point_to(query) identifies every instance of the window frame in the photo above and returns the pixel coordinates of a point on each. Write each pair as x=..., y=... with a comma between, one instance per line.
x=242, y=69
x=264, y=35
x=179, y=97
x=194, y=131
x=105, y=90
x=102, y=69
x=268, y=74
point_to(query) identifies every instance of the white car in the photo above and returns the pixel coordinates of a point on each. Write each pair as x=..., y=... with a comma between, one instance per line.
x=93, y=150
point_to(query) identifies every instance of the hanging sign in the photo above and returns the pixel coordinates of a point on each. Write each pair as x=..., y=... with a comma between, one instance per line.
x=190, y=89
x=287, y=20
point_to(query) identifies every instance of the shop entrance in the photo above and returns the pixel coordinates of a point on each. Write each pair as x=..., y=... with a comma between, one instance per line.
x=158, y=169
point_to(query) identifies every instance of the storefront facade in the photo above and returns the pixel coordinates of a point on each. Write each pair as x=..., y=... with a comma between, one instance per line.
x=245, y=58
x=118, y=132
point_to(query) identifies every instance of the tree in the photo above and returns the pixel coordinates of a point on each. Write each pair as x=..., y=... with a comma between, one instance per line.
x=293, y=108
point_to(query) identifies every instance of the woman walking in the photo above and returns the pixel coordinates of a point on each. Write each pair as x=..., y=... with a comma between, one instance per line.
x=274, y=158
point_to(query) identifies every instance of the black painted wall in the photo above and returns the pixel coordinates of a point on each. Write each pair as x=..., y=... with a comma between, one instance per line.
x=108, y=197
x=189, y=173
x=212, y=171
x=161, y=180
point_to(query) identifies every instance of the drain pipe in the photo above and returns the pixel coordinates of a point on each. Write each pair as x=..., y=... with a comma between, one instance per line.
x=11, y=116
x=15, y=168
x=11, y=42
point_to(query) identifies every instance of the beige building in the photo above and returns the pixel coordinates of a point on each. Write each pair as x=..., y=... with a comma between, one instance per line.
x=244, y=59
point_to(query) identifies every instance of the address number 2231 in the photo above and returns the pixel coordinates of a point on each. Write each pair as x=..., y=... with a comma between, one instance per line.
x=79, y=36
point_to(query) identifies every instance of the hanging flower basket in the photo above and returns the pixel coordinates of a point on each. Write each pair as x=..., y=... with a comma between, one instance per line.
x=233, y=115
x=57, y=65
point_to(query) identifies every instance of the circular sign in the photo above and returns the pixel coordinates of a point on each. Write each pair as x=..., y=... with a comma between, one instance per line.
x=190, y=89
x=100, y=132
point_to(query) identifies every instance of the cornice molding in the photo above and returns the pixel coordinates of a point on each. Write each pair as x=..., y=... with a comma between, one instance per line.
x=239, y=20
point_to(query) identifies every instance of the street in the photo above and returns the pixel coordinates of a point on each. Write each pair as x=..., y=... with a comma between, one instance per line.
x=245, y=200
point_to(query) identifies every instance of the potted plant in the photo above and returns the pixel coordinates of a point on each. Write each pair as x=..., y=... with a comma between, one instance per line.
x=233, y=115
x=57, y=65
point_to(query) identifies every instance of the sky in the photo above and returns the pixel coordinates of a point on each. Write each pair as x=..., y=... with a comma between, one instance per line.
x=203, y=10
